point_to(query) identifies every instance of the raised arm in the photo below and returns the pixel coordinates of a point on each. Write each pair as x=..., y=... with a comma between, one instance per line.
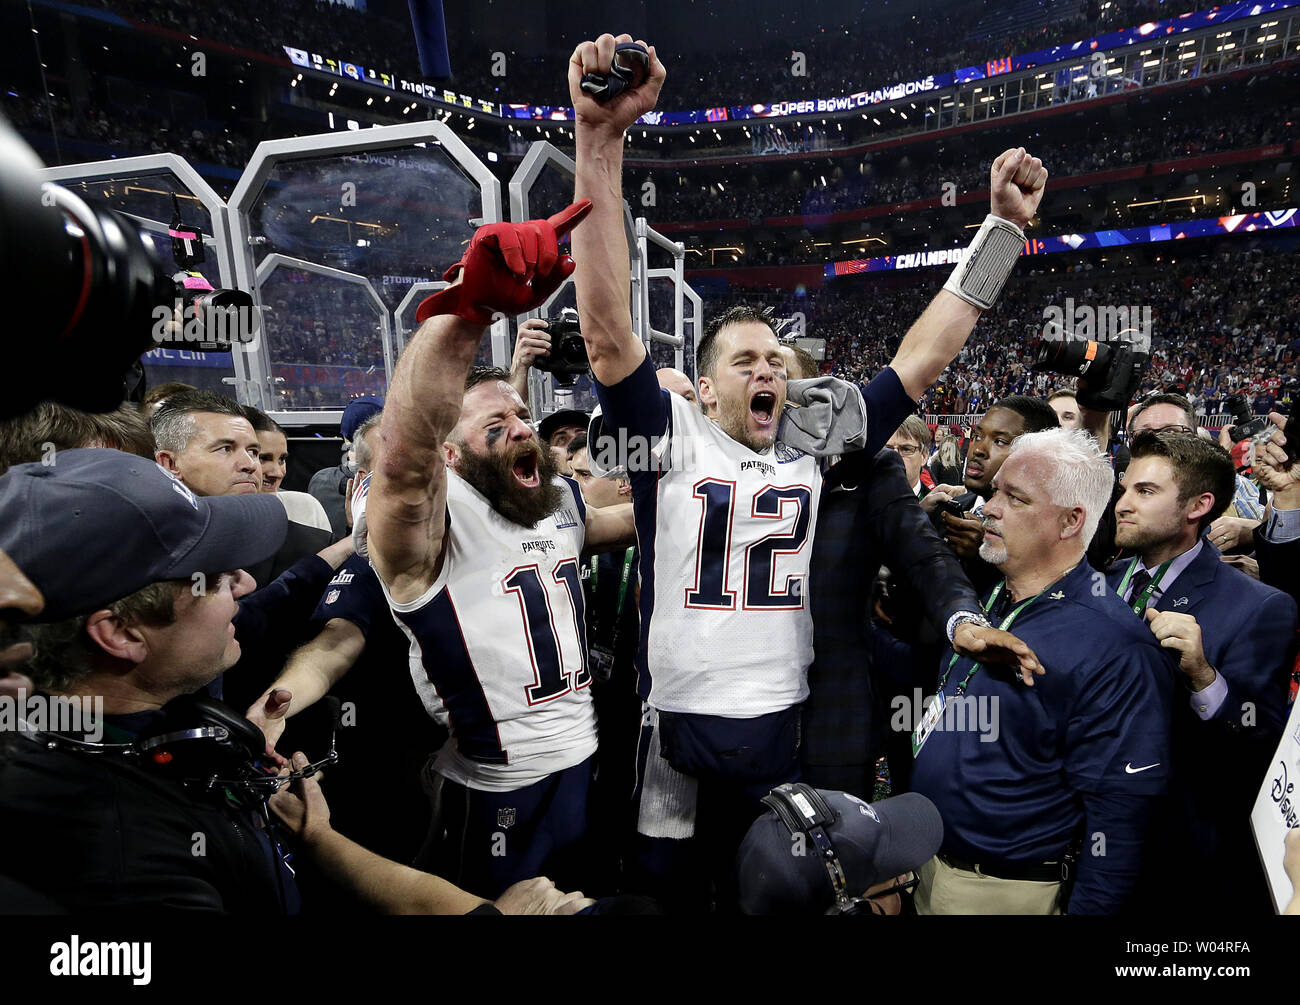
x=407, y=502
x=603, y=278
x=1016, y=184
x=609, y=528
x=507, y=269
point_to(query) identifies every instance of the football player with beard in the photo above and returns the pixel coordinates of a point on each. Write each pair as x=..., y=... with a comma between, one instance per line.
x=478, y=544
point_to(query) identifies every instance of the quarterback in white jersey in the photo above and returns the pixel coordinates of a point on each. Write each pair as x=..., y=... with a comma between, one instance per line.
x=726, y=530
x=725, y=542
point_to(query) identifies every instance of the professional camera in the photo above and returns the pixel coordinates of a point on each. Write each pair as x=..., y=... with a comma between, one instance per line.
x=84, y=282
x=1112, y=370
x=1245, y=425
x=567, y=360
x=204, y=318
x=1256, y=427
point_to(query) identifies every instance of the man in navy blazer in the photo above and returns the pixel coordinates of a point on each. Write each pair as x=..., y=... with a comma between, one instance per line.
x=1233, y=637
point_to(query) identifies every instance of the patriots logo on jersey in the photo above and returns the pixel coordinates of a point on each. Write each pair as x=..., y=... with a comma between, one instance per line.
x=785, y=453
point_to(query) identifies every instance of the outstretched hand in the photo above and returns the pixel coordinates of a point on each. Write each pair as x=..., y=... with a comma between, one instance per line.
x=993, y=645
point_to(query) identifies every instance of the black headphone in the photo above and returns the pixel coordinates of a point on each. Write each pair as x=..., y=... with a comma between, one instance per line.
x=206, y=743
x=803, y=811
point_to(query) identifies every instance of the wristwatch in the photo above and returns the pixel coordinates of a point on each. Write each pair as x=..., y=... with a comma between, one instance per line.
x=961, y=616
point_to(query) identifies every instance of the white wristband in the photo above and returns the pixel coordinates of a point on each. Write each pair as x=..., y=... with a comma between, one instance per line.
x=979, y=277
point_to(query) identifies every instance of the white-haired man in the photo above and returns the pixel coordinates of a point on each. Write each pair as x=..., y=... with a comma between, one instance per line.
x=1051, y=816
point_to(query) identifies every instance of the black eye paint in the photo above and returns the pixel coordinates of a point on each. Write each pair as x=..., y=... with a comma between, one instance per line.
x=494, y=434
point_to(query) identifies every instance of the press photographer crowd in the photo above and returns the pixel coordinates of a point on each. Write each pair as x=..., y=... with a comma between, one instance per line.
x=750, y=637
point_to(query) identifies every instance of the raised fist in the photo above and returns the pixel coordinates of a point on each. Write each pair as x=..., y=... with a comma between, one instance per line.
x=620, y=112
x=1016, y=184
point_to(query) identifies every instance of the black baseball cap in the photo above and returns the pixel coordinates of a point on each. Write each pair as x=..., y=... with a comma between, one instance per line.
x=563, y=417
x=96, y=525
x=873, y=842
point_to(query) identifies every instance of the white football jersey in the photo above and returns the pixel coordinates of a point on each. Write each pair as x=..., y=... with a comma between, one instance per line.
x=499, y=643
x=726, y=537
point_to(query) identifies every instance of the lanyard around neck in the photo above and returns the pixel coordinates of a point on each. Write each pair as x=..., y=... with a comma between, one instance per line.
x=1006, y=623
x=623, y=581
x=1139, y=602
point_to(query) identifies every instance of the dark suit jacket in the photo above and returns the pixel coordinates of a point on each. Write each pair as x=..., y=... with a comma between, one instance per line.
x=868, y=517
x=1279, y=564
x=1247, y=633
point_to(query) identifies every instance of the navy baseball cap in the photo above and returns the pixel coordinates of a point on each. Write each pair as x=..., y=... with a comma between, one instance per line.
x=873, y=842
x=97, y=525
x=359, y=410
x=563, y=417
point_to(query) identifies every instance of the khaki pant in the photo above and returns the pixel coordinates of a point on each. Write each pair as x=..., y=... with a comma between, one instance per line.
x=945, y=890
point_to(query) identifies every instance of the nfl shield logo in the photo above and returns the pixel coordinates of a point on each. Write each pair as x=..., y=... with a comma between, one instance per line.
x=332, y=596
x=505, y=817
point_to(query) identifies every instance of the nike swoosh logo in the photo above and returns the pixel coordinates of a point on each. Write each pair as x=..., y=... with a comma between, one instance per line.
x=1130, y=770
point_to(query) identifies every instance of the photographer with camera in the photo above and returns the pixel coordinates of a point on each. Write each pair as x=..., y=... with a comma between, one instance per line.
x=158, y=799
x=959, y=518
x=553, y=346
x=110, y=825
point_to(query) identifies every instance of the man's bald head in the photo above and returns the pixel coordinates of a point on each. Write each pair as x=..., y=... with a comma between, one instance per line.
x=674, y=380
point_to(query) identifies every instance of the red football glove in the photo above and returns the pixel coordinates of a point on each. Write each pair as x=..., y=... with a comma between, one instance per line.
x=509, y=268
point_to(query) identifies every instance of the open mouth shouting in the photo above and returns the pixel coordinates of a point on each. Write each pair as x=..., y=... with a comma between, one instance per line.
x=762, y=408
x=525, y=469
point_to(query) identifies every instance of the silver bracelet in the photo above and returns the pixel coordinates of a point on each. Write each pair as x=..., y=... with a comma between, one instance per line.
x=962, y=616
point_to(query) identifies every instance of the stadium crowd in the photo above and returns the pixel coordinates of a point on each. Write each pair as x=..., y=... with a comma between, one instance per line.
x=1219, y=326
x=906, y=50
x=568, y=660
x=1183, y=130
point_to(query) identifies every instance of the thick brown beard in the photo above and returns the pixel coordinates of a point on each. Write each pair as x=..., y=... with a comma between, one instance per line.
x=493, y=475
